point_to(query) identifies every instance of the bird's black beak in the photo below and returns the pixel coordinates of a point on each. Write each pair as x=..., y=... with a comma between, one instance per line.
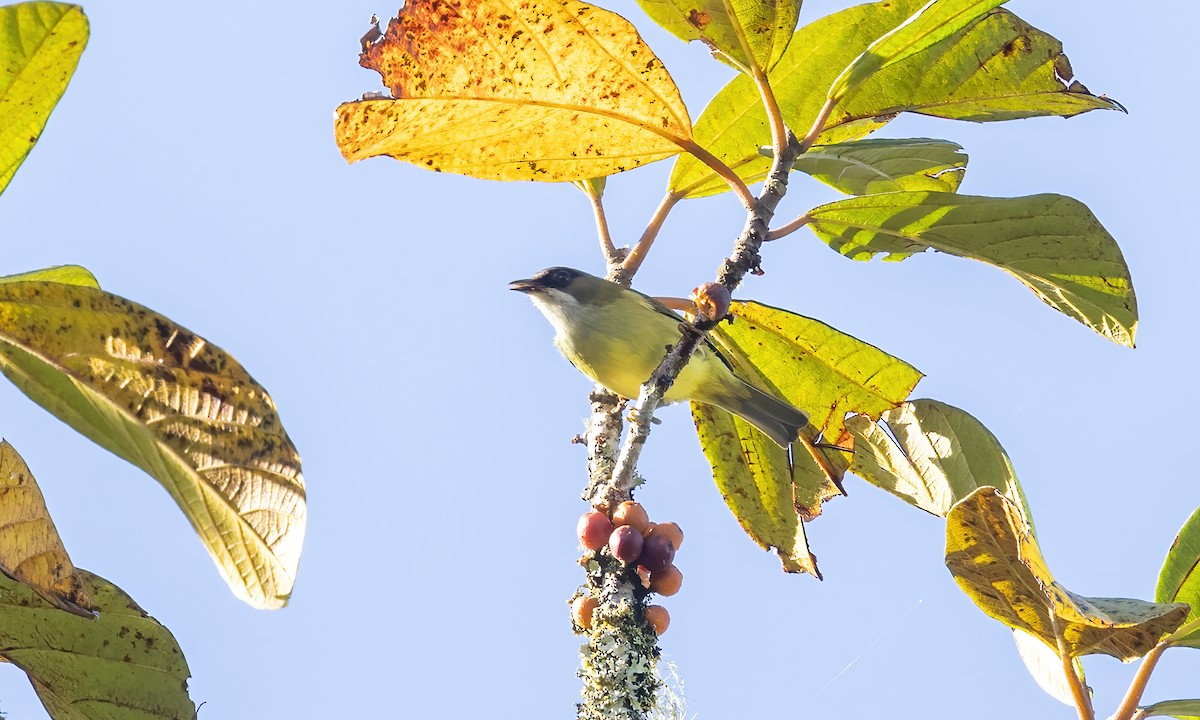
x=525, y=286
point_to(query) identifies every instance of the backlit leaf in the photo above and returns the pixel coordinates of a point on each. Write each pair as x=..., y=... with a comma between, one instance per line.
x=996, y=561
x=121, y=664
x=183, y=410
x=31, y=551
x=938, y=20
x=66, y=274
x=998, y=68
x=1179, y=578
x=1182, y=709
x=870, y=167
x=553, y=90
x=1053, y=244
x=752, y=474
x=40, y=45
x=1046, y=667
x=753, y=33
x=933, y=456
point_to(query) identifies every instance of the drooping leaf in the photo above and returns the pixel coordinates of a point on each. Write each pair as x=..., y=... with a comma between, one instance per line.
x=1046, y=667
x=870, y=167
x=997, y=563
x=121, y=664
x=752, y=474
x=934, y=456
x=1053, y=244
x=31, y=552
x=935, y=22
x=40, y=45
x=1179, y=578
x=1182, y=709
x=552, y=90
x=66, y=274
x=815, y=368
x=998, y=68
x=752, y=33
x=183, y=410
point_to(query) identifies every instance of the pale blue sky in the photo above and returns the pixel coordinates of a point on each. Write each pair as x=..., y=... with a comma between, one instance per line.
x=191, y=166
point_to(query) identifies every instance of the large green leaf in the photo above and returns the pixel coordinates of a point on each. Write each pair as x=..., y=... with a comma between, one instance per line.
x=938, y=20
x=1179, y=578
x=932, y=456
x=998, y=68
x=1052, y=244
x=121, y=665
x=996, y=561
x=40, y=45
x=176, y=406
x=752, y=473
x=751, y=33
x=1182, y=709
x=869, y=167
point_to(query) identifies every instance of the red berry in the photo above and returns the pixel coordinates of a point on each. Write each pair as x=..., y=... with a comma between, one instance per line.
x=594, y=529
x=625, y=544
x=658, y=617
x=666, y=582
x=657, y=552
x=669, y=529
x=632, y=513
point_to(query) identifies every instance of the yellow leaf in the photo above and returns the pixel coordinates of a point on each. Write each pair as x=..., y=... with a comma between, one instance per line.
x=750, y=33
x=31, y=551
x=551, y=90
x=996, y=561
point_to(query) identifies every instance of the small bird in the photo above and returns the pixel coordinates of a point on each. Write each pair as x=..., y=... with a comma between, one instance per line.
x=617, y=337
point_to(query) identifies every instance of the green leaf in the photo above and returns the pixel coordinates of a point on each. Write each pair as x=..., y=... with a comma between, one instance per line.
x=934, y=456
x=999, y=68
x=31, y=551
x=1052, y=244
x=1046, y=667
x=180, y=408
x=996, y=561
x=752, y=33
x=870, y=167
x=122, y=664
x=1182, y=709
x=752, y=475
x=40, y=45
x=1179, y=578
x=938, y=20
x=66, y=274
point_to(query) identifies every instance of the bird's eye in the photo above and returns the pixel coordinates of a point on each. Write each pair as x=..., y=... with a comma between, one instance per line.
x=560, y=278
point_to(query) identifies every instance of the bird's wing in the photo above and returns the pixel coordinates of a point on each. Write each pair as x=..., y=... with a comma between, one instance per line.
x=664, y=310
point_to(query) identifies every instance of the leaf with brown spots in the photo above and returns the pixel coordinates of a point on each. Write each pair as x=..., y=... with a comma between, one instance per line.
x=996, y=561
x=750, y=33
x=552, y=90
x=183, y=410
x=31, y=551
x=121, y=664
x=40, y=45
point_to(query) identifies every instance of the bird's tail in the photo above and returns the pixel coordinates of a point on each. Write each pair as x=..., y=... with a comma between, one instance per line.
x=778, y=420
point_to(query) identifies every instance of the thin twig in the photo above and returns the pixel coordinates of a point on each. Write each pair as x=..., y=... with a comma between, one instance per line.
x=633, y=261
x=818, y=125
x=779, y=134
x=1083, y=703
x=724, y=171
x=790, y=228
x=1137, y=686
x=611, y=256
x=744, y=258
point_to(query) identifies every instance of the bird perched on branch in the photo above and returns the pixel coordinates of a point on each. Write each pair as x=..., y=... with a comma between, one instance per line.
x=618, y=337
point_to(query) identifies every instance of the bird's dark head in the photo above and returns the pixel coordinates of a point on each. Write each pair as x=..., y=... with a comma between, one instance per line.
x=553, y=278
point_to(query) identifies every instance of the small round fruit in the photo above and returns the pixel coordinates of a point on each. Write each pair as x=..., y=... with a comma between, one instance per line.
x=594, y=529
x=658, y=617
x=625, y=543
x=666, y=582
x=632, y=514
x=669, y=529
x=582, y=609
x=657, y=553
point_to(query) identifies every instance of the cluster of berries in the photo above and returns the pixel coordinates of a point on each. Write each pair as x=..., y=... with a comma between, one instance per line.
x=631, y=538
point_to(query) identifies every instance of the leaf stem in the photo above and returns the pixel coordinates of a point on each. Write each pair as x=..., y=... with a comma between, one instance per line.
x=720, y=168
x=818, y=125
x=779, y=136
x=633, y=261
x=1083, y=703
x=1137, y=686
x=611, y=256
x=790, y=228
